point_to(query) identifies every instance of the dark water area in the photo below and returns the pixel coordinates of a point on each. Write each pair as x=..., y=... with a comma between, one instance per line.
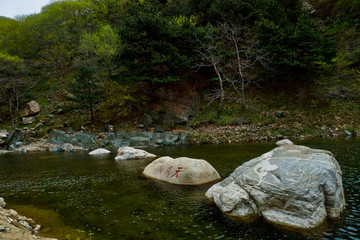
x=69, y=191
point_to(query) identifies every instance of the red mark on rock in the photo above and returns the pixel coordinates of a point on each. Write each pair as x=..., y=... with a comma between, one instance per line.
x=168, y=171
x=159, y=169
x=177, y=172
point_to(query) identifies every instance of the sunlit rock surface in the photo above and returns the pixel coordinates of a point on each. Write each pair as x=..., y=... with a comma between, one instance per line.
x=291, y=185
x=99, y=151
x=182, y=171
x=130, y=153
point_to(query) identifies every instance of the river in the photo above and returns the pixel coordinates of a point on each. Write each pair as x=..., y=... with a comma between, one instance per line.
x=69, y=193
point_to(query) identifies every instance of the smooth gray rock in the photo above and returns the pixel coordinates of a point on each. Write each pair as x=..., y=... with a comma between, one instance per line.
x=130, y=153
x=99, y=151
x=284, y=142
x=291, y=185
x=181, y=171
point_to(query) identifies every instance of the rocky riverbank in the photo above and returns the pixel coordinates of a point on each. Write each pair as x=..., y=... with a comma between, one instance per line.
x=24, y=140
x=261, y=133
x=14, y=226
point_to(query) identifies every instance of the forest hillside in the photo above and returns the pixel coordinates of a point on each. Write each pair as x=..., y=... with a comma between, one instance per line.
x=274, y=67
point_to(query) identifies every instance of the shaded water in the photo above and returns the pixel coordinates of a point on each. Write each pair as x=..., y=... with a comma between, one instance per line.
x=68, y=191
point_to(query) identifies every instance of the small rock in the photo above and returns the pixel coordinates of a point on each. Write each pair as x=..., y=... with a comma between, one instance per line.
x=13, y=213
x=99, y=151
x=280, y=114
x=67, y=124
x=31, y=109
x=28, y=120
x=182, y=120
x=2, y=203
x=284, y=142
x=279, y=137
x=26, y=224
x=158, y=129
x=2, y=228
x=60, y=111
x=242, y=120
x=129, y=153
x=3, y=135
x=323, y=128
x=141, y=126
x=1, y=142
x=348, y=133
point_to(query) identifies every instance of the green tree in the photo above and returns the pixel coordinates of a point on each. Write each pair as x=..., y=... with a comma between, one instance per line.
x=156, y=46
x=99, y=50
x=86, y=90
x=295, y=42
x=13, y=85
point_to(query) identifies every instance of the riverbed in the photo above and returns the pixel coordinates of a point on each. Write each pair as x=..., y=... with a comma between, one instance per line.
x=69, y=193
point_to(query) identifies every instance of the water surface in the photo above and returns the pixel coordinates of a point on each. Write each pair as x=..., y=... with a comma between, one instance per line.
x=69, y=191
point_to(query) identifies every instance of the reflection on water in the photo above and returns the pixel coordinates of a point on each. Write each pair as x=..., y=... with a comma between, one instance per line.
x=68, y=191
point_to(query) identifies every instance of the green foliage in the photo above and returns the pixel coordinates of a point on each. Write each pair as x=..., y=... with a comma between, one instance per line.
x=86, y=90
x=296, y=43
x=99, y=50
x=13, y=85
x=156, y=47
x=123, y=99
x=348, y=52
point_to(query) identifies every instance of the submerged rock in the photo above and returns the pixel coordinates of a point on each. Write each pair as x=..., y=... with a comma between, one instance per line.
x=291, y=185
x=99, y=151
x=130, y=153
x=182, y=171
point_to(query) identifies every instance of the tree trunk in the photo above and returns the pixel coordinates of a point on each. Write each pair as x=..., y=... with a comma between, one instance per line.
x=243, y=106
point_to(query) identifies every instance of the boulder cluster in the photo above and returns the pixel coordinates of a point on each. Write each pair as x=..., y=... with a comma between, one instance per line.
x=293, y=186
x=14, y=226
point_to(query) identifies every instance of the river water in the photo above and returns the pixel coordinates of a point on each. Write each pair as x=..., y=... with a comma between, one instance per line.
x=69, y=193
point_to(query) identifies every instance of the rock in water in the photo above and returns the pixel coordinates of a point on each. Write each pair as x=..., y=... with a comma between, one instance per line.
x=130, y=153
x=99, y=151
x=293, y=186
x=284, y=142
x=181, y=171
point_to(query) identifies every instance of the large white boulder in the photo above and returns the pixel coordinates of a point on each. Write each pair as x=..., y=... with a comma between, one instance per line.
x=182, y=171
x=99, y=151
x=130, y=153
x=293, y=186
